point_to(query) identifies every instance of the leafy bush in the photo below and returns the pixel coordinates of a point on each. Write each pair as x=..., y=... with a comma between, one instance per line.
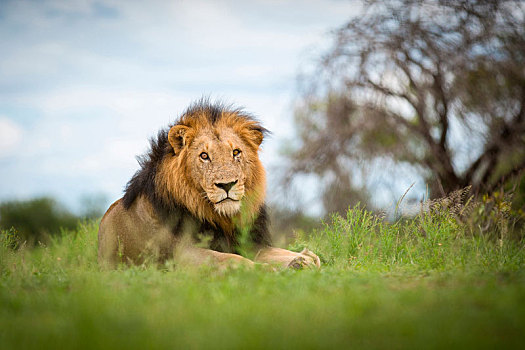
x=10, y=239
x=36, y=219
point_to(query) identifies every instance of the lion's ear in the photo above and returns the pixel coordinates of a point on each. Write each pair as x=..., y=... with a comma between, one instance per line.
x=178, y=137
x=258, y=135
x=255, y=135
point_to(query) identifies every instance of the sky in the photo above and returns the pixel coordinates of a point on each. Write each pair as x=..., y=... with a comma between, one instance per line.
x=84, y=84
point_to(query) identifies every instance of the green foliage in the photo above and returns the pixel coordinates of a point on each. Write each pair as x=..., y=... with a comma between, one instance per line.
x=433, y=240
x=10, y=238
x=35, y=219
x=495, y=216
x=416, y=283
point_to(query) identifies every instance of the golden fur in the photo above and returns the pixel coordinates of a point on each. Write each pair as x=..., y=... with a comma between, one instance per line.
x=202, y=177
x=190, y=182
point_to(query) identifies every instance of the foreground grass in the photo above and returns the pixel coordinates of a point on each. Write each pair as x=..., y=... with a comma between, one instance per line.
x=423, y=283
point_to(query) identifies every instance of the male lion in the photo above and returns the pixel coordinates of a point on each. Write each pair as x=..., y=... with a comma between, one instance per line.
x=202, y=178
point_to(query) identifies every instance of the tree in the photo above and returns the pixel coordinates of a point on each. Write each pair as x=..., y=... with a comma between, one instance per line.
x=36, y=219
x=436, y=85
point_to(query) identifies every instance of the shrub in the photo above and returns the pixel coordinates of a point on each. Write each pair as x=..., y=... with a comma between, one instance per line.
x=35, y=219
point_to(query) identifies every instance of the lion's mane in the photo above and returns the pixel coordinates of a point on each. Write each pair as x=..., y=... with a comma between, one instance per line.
x=150, y=183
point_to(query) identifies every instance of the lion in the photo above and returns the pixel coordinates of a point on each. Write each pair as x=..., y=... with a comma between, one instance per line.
x=202, y=178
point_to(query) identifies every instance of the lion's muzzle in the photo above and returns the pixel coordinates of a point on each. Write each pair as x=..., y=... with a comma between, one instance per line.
x=226, y=196
x=226, y=186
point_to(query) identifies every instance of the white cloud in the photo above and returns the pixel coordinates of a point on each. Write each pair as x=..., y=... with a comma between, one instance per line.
x=10, y=136
x=90, y=84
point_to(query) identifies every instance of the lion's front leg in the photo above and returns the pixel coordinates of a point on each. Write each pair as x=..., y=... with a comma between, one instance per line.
x=199, y=256
x=286, y=258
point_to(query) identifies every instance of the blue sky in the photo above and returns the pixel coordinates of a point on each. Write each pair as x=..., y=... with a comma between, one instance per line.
x=84, y=84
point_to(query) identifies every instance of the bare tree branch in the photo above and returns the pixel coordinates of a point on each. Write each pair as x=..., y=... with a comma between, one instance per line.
x=429, y=82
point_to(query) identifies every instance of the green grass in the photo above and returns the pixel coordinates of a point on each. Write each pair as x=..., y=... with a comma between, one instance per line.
x=421, y=283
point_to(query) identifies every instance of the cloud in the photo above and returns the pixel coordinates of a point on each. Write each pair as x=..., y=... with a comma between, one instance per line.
x=88, y=82
x=10, y=136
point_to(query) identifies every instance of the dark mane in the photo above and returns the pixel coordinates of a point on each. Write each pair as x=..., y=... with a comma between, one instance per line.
x=214, y=110
x=143, y=181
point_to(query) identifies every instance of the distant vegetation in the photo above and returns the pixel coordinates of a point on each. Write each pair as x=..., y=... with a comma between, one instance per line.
x=37, y=219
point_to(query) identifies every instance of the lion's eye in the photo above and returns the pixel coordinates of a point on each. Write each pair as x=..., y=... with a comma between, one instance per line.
x=236, y=152
x=204, y=156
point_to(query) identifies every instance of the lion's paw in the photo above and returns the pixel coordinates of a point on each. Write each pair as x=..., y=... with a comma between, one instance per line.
x=298, y=263
x=306, y=258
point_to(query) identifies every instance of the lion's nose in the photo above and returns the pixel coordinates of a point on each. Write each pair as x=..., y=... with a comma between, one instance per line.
x=226, y=186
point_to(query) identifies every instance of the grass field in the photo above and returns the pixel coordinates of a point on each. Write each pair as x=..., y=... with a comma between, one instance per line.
x=422, y=283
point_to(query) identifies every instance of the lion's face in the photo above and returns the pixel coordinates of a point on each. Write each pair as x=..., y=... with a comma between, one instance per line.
x=215, y=169
x=218, y=166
